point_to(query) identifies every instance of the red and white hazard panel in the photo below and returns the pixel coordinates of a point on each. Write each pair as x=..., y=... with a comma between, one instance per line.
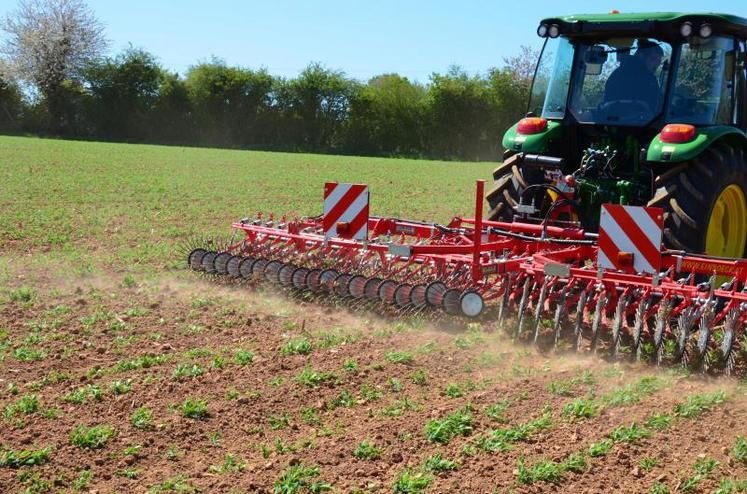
x=630, y=238
x=345, y=211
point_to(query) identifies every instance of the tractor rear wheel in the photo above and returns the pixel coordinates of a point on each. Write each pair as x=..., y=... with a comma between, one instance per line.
x=510, y=181
x=705, y=210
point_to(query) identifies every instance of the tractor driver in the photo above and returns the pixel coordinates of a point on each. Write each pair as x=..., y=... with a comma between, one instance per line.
x=635, y=79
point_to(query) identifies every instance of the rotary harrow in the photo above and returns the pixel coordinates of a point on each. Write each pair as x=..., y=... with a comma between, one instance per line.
x=616, y=291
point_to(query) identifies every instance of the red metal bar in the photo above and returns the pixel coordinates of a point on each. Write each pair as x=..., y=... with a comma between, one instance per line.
x=477, y=239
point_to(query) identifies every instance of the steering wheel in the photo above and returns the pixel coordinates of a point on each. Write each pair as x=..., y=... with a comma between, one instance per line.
x=636, y=108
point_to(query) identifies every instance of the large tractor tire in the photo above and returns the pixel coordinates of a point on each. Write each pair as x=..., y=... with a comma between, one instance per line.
x=705, y=210
x=511, y=178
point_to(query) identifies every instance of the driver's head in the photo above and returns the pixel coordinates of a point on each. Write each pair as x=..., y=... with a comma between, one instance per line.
x=650, y=54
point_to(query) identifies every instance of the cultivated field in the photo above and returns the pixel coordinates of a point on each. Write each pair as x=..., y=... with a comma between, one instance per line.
x=122, y=372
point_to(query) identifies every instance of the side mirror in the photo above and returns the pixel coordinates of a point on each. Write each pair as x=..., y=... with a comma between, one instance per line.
x=593, y=69
x=596, y=55
x=594, y=59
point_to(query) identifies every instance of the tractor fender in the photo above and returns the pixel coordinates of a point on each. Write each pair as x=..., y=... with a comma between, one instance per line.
x=534, y=143
x=705, y=137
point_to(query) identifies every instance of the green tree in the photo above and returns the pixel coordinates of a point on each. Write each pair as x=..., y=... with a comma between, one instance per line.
x=11, y=106
x=386, y=118
x=461, y=111
x=47, y=44
x=124, y=91
x=314, y=107
x=230, y=104
x=171, y=118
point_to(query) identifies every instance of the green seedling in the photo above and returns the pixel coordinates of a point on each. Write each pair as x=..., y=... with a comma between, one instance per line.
x=542, y=471
x=344, y=399
x=659, y=488
x=437, y=463
x=243, y=356
x=299, y=478
x=696, y=405
x=453, y=390
x=186, y=371
x=632, y=433
x=142, y=418
x=278, y=422
x=297, y=346
x=89, y=392
x=367, y=451
x=121, y=387
x=730, y=486
x=405, y=358
x=194, y=409
x=398, y=407
x=497, y=411
x=659, y=421
x=312, y=378
x=740, y=450
x=91, y=437
x=24, y=458
x=601, y=448
x=420, y=377
x=648, y=463
x=395, y=384
x=459, y=423
x=26, y=405
x=231, y=464
x=412, y=482
x=581, y=408
x=350, y=365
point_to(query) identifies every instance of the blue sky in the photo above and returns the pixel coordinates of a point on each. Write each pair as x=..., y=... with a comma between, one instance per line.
x=362, y=38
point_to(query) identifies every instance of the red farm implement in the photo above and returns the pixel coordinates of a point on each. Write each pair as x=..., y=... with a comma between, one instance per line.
x=615, y=292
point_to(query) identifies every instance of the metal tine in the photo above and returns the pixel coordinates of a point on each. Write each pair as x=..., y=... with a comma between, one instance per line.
x=618, y=323
x=660, y=326
x=685, y=322
x=407, y=310
x=503, y=306
x=639, y=326
x=704, y=335
x=521, y=311
x=539, y=309
x=360, y=304
x=561, y=314
x=599, y=317
x=578, y=330
x=731, y=326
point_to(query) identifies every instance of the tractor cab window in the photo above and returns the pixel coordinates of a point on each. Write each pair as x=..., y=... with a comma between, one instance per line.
x=551, y=79
x=620, y=81
x=704, y=82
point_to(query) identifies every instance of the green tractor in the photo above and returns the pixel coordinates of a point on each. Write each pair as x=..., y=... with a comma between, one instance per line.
x=639, y=109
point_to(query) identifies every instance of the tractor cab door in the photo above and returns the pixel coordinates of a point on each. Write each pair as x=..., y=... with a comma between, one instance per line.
x=740, y=105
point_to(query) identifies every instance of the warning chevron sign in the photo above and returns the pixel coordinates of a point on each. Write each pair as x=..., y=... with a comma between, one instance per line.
x=630, y=238
x=345, y=211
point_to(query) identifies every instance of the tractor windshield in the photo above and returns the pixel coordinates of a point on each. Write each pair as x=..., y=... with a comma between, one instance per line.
x=620, y=81
x=703, y=85
x=551, y=79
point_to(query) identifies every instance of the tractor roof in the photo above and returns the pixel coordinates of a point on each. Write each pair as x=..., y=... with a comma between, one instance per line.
x=650, y=22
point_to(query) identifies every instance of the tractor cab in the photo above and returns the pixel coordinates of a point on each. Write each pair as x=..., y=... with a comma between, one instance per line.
x=626, y=108
x=636, y=81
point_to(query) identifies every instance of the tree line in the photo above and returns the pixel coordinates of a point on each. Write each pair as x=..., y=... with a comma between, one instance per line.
x=132, y=97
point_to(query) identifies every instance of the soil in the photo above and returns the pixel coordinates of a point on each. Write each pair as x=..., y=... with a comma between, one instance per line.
x=100, y=326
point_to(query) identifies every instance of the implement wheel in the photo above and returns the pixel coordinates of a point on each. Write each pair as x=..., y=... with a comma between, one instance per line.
x=704, y=203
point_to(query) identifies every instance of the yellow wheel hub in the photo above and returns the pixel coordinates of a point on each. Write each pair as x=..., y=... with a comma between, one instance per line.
x=727, y=226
